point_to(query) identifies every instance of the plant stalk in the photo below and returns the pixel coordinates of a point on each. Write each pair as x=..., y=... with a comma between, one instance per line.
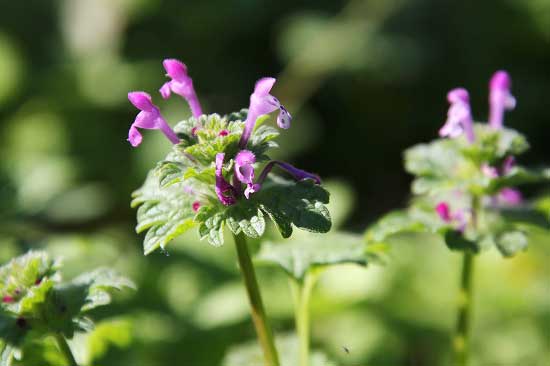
x=462, y=332
x=301, y=292
x=261, y=323
x=65, y=349
x=461, y=339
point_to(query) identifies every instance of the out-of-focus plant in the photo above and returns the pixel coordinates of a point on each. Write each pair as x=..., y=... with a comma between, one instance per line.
x=464, y=190
x=303, y=259
x=37, y=304
x=208, y=180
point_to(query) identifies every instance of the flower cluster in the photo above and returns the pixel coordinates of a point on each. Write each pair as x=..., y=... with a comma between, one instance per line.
x=465, y=182
x=261, y=103
x=217, y=163
x=460, y=121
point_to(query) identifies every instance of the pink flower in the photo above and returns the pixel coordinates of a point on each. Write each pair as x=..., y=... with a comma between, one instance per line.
x=180, y=84
x=261, y=102
x=149, y=118
x=224, y=190
x=457, y=218
x=500, y=98
x=459, y=116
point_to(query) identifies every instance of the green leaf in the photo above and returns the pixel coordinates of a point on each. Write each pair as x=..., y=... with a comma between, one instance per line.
x=164, y=212
x=245, y=217
x=511, y=242
x=211, y=224
x=169, y=173
x=249, y=354
x=518, y=176
x=492, y=144
x=391, y=224
x=299, y=203
x=68, y=302
x=298, y=257
x=455, y=240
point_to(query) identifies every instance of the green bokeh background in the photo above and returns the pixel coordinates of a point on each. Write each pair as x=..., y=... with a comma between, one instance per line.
x=363, y=79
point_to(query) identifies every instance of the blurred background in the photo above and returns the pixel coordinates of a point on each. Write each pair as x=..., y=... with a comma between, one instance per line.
x=363, y=79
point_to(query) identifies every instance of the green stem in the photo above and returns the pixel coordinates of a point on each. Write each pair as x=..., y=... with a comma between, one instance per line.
x=462, y=332
x=461, y=339
x=65, y=349
x=263, y=329
x=302, y=293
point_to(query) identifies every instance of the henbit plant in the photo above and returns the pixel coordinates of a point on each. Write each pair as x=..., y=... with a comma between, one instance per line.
x=37, y=304
x=208, y=180
x=464, y=191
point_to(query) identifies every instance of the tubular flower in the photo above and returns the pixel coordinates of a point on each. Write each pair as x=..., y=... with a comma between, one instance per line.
x=180, y=84
x=149, y=117
x=459, y=116
x=244, y=170
x=261, y=102
x=457, y=218
x=224, y=190
x=296, y=173
x=500, y=98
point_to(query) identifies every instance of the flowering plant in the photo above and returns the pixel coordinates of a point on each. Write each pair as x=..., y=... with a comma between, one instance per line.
x=36, y=303
x=465, y=190
x=210, y=177
x=465, y=183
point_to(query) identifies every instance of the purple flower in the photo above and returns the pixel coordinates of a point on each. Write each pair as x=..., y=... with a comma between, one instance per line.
x=459, y=116
x=244, y=170
x=261, y=102
x=224, y=190
x=444, y=211
x=196, y=205
x=458, y=218
x=509, y=196
x=489, y=171
x=298, y=174
x=149, y=118
x=180, y=84
x=500, y=98
x=508, y=164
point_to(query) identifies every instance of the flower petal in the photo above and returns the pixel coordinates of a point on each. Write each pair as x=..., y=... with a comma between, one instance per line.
x=165, y=90
x=174, y=68
x=141, y=100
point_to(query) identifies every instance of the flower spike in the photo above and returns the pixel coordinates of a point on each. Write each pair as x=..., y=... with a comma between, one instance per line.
x=180, y=84
x=261, y=102
x=500, y=98
x=149, y=118
x=224, y=190
x=459, y=117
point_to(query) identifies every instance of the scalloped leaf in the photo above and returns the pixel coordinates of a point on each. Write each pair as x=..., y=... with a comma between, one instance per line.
x=510, y=243
x=164, y=212
x=68, y=302
x=301, y=204
x=309, y=252
x=247, y=218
